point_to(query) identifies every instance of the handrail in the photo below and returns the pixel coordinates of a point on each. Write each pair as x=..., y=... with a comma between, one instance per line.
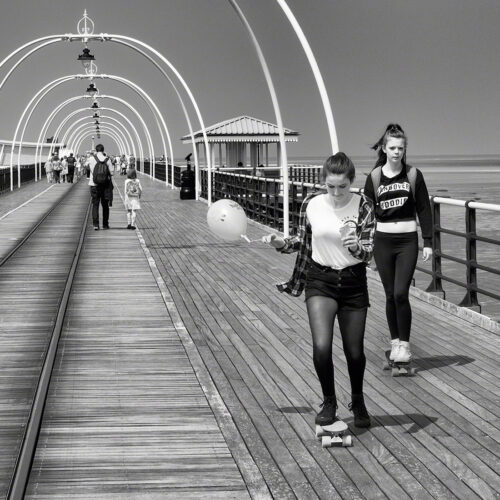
x=262, y=200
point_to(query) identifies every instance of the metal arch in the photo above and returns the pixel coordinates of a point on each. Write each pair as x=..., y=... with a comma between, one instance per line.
x=50, y=86
x=108, y=125
x=61, y=125
x=284, y=161
x=118, y=99
x=109, y=134
x=152, y=103
x=317, y=74
x=129, y=142
x=89, y=133
x=116, y=38
x=165, y=74
x=116, y=131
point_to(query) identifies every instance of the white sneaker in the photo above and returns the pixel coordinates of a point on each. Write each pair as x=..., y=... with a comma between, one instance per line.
x=394, y=349
x=403, y=354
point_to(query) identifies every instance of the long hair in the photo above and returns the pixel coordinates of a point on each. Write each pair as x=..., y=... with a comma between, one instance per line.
x=395, y=131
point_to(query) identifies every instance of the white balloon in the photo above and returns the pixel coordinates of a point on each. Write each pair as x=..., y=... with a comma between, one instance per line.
x=227, y=220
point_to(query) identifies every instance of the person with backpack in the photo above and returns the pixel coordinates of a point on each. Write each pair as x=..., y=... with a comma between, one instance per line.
x=133, y=192
x=399, y=194
x=99, y=168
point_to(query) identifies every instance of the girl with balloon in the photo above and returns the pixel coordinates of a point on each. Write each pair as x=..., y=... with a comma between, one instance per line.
x=334, y=244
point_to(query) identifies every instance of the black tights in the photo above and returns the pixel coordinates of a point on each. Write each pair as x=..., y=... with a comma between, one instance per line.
x=396, y=258
x=322, y=312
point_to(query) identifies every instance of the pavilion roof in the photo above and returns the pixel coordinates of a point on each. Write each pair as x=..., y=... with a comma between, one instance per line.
x=243, y=129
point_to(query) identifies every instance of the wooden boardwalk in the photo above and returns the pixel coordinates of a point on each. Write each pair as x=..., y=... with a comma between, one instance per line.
x=126, y=416
x=183, y=373
x=436, y=435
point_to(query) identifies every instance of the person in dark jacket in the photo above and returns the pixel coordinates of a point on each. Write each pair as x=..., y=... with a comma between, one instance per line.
x=399, y=196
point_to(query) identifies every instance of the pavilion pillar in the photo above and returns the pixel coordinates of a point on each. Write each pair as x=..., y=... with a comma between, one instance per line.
x=212, y=154
x=220, y=154
x=267, y=154
x=253, y=155
x=278, y=154
x=1, y=154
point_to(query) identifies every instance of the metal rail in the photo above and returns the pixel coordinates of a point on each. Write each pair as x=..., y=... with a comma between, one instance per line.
x=22, y=469
x=262, y=200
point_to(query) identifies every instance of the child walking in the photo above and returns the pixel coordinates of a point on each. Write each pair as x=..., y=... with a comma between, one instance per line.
x=133, y=192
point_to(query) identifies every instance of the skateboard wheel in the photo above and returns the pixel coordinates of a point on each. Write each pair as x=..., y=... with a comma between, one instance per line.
x=412, y=371
x=386, y=366
x=395, y=372
x=347, y=440
x=326, y=441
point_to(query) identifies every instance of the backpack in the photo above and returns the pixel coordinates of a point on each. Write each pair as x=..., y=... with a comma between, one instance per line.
x=411, y=172
x=132, y=188
x=100, y=175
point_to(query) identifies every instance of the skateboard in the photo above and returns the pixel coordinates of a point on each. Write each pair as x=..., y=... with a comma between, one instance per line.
x=334, y=434
x=398, y=369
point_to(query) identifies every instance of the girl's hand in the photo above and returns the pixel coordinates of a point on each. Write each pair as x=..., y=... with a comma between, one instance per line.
x=274, y=240
x=427, y=253
x=351, y=241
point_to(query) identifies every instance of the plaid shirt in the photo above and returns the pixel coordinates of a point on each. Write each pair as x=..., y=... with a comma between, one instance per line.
x=302, y=243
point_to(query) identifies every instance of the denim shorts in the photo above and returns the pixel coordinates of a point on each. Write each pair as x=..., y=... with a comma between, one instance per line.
x=348, y=286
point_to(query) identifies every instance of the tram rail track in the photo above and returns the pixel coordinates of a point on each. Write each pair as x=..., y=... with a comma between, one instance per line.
x=21, y=472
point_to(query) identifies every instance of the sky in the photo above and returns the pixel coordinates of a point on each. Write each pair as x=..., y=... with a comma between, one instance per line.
x=430, y=65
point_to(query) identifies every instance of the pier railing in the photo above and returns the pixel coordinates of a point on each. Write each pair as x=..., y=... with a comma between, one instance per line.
x=262, y=200
x=27, y=175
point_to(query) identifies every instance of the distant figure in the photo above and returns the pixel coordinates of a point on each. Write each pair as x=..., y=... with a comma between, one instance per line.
x=399, y=193
x=56, y=169
x=188, y=159
x=133, y=192
x=49, y=170
x=71, y=167
x=240, y=164
x=99, y=167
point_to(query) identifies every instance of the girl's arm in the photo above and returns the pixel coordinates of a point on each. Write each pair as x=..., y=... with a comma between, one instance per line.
x=365, y=230
x=424, y=209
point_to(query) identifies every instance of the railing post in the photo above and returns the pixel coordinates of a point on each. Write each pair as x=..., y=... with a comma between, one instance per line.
x=436, y=286
x=470, y=299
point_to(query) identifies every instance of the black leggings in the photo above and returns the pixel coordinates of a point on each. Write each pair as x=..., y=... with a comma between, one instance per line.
x=322, y=311
x=396, y=258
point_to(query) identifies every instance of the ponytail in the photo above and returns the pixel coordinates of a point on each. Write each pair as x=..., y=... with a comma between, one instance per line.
x=392, y=130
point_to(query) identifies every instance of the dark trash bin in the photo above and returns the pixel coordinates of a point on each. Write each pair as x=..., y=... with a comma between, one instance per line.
x=187, y=185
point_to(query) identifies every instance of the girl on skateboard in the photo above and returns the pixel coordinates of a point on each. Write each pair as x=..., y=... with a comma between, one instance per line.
x=334, y=243
x=399, y=193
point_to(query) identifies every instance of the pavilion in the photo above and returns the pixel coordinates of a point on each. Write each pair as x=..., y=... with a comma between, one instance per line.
x=235, y=134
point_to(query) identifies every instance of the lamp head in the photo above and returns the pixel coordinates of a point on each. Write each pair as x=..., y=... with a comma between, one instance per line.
x=86, y=58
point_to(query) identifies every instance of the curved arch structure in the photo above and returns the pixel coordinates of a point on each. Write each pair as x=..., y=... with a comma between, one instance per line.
x=114, y=98
x=117, y=133
x=138, y=139
x=50, y=86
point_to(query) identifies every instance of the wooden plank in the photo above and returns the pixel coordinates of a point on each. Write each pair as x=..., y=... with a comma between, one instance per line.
x=226, y=294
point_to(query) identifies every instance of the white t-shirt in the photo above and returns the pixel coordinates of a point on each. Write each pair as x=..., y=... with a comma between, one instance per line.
x=327, y=247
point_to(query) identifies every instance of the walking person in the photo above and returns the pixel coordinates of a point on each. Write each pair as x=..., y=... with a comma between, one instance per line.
x=133, y=192
x=64, y=170
x=99, y=168
x=334, y=241
x=399, y=194
x=71, y=167
x=49, y=170
x=56, y=169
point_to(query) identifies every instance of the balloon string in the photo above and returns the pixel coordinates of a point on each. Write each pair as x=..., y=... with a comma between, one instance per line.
x=245, y=237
